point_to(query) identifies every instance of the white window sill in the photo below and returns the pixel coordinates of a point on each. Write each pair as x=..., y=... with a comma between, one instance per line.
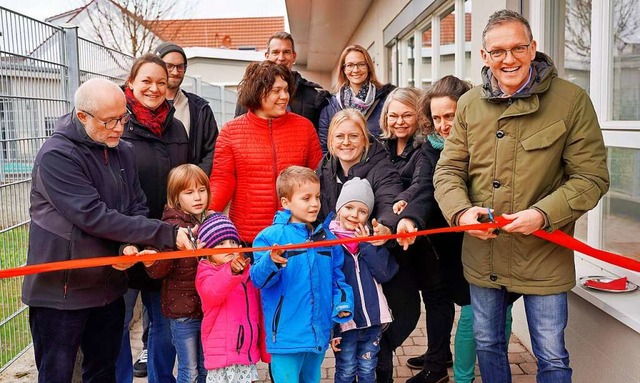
x=625, y=307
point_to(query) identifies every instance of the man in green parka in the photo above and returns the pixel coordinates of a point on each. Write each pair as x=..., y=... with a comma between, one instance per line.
x=526, y=145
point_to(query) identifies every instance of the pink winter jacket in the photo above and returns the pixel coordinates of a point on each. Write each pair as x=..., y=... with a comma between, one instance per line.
x=232, y=327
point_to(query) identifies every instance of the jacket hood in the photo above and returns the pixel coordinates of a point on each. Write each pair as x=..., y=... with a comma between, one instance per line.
x=543, y=71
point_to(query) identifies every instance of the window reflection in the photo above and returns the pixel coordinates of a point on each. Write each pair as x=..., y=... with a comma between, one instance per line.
x=577, y=52
x=621, y=219
x=626, y=60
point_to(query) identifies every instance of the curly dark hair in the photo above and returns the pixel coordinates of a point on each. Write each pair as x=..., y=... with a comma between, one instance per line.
x=259, y=79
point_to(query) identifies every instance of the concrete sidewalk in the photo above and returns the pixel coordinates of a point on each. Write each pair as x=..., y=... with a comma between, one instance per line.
x=523, y=364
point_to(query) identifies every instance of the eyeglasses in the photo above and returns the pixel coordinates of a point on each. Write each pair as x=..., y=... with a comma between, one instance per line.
x=446, y=117
x=111, y=124
x=518, y=51
x=393, y=118
x=353, y=137
x=180, y=67
x=351, y=66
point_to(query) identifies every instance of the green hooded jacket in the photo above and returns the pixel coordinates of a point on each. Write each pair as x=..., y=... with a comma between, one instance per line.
x=541, y=148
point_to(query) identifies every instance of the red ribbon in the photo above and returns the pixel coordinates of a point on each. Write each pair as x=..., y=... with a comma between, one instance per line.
x=557, y=237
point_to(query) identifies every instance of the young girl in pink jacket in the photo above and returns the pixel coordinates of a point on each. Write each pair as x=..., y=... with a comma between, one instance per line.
x=232, y=327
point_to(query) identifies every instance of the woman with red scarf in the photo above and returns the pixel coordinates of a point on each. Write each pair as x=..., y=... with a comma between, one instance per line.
x=160, y=143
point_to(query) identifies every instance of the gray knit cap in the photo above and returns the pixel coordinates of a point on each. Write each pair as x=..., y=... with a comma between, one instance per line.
x=356, y=189
x=168, y=47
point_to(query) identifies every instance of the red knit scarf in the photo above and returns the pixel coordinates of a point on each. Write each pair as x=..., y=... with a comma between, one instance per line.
x=150, y=119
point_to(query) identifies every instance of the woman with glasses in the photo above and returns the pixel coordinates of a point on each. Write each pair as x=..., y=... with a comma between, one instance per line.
x=160, y=143
x=358, y=88
x=354, y=152
x=403, y=126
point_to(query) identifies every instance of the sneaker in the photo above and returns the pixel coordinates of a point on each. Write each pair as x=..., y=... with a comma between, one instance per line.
x=140, y=366
x=425, y=376
x=417, y=362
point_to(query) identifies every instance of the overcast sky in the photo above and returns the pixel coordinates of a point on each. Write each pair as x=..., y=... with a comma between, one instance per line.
x=201, y=9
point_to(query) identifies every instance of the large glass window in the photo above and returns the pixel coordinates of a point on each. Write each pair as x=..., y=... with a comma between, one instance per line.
x=447, y=43
x=426, y=54
x=577, y=52
x=626, y=60
x=467, y=39
x=622, y=203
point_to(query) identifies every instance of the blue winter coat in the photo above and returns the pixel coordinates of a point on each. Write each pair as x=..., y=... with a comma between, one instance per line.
x=302, y=300
x=364, y=272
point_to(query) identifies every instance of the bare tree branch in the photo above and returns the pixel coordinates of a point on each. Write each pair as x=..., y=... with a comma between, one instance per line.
x=130, y=26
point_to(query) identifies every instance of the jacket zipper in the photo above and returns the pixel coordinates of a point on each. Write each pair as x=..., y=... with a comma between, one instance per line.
x=276, y=319
x=275, y=161
x=356, y=259
x=246, y=298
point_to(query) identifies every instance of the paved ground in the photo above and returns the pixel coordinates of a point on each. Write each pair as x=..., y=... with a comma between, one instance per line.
x=523, y=366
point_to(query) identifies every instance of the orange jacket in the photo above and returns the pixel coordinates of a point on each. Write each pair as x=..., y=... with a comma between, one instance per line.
x=250, y=153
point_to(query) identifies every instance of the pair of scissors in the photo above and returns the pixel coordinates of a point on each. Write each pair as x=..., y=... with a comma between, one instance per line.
x=192, y=238
x=492, y=219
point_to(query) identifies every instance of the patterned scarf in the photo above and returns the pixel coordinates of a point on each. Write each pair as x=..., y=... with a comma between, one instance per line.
x=339, y=232
x=361, y=101
x=150, y=119
x=436, y=141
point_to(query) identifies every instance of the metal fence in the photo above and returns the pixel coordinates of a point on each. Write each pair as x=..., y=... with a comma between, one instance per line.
x=41, y=66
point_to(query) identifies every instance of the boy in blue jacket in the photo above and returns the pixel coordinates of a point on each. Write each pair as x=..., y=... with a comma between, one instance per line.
x=303, y=291
x=357, y=342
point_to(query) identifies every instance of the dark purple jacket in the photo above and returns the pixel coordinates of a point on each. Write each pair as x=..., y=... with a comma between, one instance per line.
x=86, y=201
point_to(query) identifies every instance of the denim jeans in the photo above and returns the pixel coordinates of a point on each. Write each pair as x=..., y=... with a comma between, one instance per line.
x=547, y=317
x=185, y=335
x=358, y=355
x=57, y=335
x=161, y=353
x=465, y=345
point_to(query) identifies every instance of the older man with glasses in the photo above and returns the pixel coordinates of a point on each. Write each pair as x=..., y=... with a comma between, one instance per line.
x=525, y=145
x=86, y=202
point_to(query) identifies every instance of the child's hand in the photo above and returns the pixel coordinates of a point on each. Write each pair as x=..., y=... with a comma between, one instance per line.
x=343, y=314
x=148, y=251
x=379, y=229
x=277, y=258
x=128, y=250
x=334, y=344
x=362, y=231
x=399, y=206
x=238, y=264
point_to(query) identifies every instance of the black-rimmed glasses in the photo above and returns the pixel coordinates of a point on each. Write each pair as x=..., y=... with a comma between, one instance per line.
x=112, y=123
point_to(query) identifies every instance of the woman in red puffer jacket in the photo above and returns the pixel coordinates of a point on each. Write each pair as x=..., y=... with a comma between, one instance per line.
x=252, y=149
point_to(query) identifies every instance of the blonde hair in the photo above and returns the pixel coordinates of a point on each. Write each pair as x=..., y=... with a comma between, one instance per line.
x=410, y=97
x=371, y=72
x=293, y=177
x=182, y=177
x=348, y=114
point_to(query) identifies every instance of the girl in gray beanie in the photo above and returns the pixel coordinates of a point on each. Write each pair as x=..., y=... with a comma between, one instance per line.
x=365, y=268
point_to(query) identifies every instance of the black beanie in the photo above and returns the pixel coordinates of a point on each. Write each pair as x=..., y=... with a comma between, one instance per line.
x=168, y=47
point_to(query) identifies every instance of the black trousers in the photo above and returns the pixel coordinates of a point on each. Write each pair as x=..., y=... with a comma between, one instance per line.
x=440, y=313
x=58, y=334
